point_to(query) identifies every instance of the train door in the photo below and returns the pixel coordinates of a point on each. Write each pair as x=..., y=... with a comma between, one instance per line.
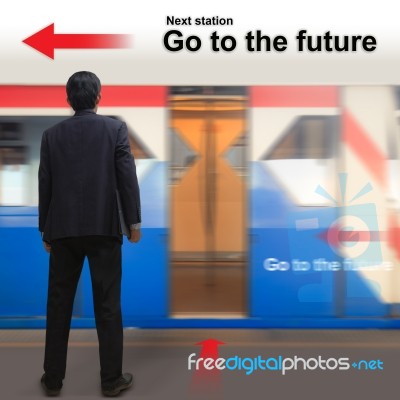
x=208, y=201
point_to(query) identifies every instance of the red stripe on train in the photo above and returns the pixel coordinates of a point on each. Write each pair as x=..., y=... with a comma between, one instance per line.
x=294, y=96
x=55, y=96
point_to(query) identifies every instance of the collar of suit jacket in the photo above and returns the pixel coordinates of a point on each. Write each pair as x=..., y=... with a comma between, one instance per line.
x=84, y=112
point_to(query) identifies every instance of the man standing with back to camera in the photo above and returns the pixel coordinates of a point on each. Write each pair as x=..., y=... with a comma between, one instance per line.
x=84, y=160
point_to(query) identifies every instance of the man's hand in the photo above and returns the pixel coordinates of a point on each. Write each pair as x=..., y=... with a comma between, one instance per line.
x=47, y=246
x=135, y=235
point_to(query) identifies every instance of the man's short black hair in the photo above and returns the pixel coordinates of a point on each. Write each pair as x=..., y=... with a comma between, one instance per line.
x=83, y=87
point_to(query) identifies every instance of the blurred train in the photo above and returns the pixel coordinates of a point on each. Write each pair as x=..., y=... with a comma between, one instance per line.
x=263, y=206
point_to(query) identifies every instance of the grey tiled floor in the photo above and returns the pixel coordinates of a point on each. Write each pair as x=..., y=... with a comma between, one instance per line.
x=158, y=360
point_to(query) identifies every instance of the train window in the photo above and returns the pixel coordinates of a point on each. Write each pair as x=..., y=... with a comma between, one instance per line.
x=138, y=148
x=13, y=175
x=183, y=157
x=310, y=137
x=20, y=138
x=236, y=155
x=13, y=164
x=304, y=158
x=10, y=131
x=12, y=156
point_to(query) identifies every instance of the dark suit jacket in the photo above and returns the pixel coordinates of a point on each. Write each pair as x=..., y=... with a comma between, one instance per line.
x=83, y=161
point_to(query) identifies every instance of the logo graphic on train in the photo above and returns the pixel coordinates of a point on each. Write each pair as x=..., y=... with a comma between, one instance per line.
x=349, y=228
x=354, y=234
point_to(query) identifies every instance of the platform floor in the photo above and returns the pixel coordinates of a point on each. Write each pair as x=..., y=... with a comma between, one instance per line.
x=159, y=361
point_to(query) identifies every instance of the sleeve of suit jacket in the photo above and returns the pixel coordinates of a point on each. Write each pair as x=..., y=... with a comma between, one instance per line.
x=44, y=182
x=126, y=178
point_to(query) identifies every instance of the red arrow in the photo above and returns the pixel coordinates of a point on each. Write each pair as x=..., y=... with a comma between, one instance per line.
x=46, y=41
x=334, y=236
x=209, y=348
x=360, y=236
x=207, y=381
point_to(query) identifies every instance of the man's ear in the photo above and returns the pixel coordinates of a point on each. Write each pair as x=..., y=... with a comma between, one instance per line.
x=98, y=98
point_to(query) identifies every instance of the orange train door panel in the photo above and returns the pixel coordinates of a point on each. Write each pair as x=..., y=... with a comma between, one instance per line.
x=208, y=203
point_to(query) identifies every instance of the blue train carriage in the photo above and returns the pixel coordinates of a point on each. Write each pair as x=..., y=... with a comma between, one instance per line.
x=262, y=206
x=325, y=197
x=26, y=111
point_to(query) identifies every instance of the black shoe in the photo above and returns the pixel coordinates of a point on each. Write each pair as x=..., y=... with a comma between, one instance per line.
x=52, y=387
x=125, y=381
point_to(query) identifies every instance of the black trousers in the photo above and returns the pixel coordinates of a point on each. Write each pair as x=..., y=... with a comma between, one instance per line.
x=66, y=261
